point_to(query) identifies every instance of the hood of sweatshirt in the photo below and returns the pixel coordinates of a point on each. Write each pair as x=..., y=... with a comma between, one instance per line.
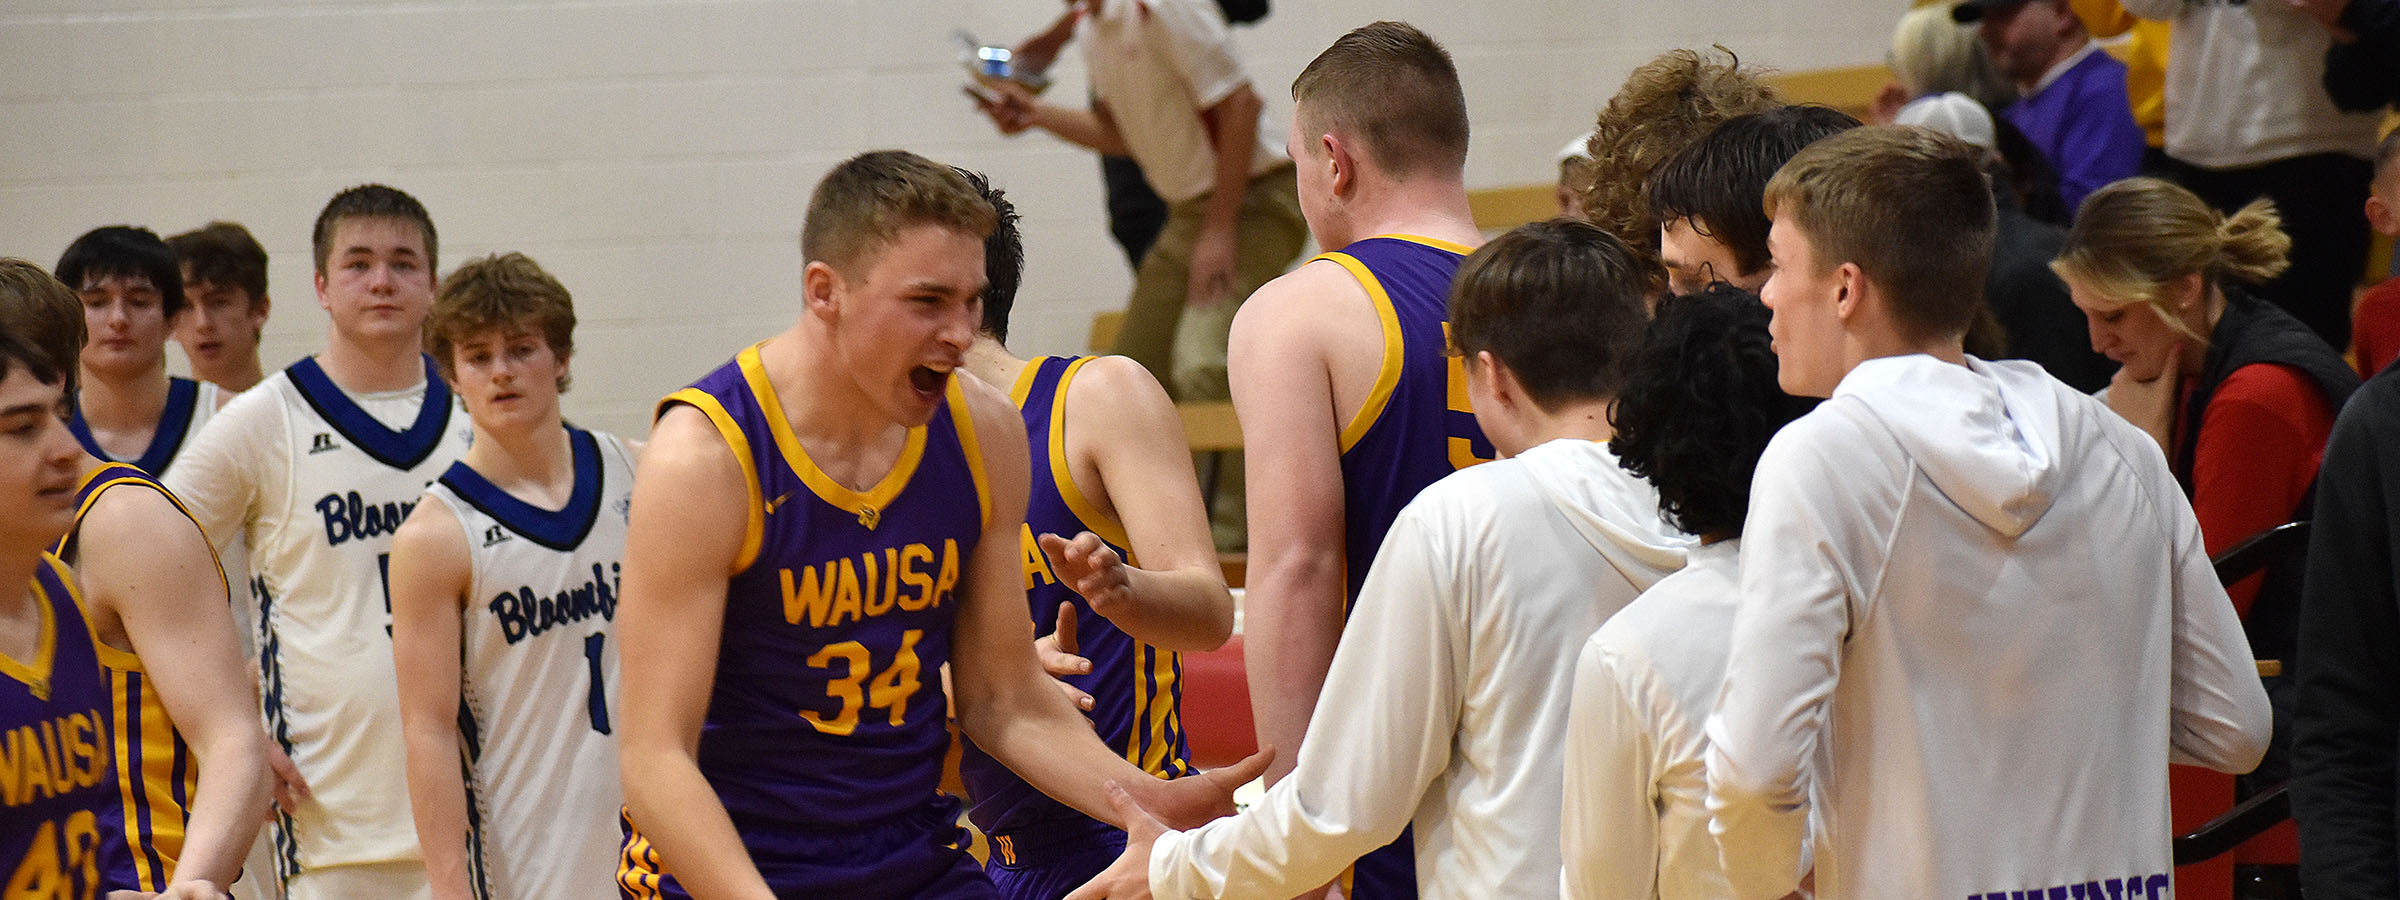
x=1987, y=434
x=1614, y=511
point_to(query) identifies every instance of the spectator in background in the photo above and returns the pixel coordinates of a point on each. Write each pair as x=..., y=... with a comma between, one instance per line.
x=1932, y=53
x=2362, y=68
x=225, y=284
x=2239, y=393
x=2346, y=718
x=1135, y=212
x=1168, y=92
x=2071, y=97
x=2144, y=52
x=2375, y=330
x=1574, y=171
x=2036, y=317
x=2248, y=116
x=1665, y=105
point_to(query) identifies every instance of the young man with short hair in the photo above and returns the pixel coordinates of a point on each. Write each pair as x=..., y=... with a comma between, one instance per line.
x=1349, y=400
x=314, y=471
x=127, y=408
x=1118, y=570
x=1976, y=620
x=1447, y=700
x=504, y=588
x=225, y=289
x=1705, y=198
x=191, y=759
x=819, y=526
x=55, y=696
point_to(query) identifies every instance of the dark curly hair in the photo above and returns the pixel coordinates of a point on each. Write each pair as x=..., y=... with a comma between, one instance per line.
x=1698, y=407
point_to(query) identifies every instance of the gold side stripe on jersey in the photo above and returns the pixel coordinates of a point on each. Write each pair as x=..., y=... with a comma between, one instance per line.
x=1062, y=472
x=754, y=525
x=123, y=721
x=1161, y=713
x=638, y=871
x=1388, y=378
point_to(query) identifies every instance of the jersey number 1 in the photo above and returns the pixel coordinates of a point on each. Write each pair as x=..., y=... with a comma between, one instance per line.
x=890, y=690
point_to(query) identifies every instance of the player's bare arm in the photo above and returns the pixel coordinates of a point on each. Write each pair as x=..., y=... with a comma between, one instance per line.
x=1232, y=125
x=154, y=579
x=430, y=576
x=690, y=513
x=1004, y=700
x=1137, y=467
x=1284, y=394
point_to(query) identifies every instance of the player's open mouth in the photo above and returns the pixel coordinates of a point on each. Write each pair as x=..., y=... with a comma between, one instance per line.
x=927, y=381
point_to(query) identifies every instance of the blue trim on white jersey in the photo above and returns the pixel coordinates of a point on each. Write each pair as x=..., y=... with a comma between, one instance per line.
x=174, y=424
x=563, y=529
x=397, y=449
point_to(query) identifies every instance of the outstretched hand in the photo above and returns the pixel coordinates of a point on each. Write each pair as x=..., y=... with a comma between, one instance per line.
x=1091, y=568
x=1128, y=878
x=1056, y=651
x=1201, y=797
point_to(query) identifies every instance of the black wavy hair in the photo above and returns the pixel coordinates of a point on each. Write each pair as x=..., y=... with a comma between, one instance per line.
x=1699, y=405
x=1720, y=180
x=124, y=251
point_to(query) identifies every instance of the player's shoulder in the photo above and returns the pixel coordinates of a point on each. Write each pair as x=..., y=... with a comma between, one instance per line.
x=1299, y=299
x=264, y=403
x=1113, y=388
x=132, y=508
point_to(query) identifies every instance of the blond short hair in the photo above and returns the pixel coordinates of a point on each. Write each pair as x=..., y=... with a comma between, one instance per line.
x=864, y=203
x=1910, y=207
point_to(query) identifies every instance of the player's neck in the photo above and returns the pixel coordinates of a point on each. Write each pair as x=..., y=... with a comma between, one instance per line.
x=371, y=367
x=118, y=406
x=1434, y=208
x=21, y=613
x=822, y=403
x=988, y=360
x=1581, y=420
x=535, y=463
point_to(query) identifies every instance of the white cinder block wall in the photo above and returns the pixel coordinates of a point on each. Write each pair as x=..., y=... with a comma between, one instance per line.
x=656, y=155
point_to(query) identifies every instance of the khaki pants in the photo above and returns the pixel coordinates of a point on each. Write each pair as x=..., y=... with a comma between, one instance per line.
x=1183, y=347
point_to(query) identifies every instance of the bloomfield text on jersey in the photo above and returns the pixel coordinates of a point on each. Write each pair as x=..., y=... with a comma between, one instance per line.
x=910, y=577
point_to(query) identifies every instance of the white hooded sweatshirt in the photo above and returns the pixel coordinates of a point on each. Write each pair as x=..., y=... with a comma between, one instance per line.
x=1974, y=609
x=1447, y=701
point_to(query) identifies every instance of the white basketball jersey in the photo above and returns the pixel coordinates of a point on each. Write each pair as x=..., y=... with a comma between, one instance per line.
x=539, y=677
x=190, y=404
x=319, y=565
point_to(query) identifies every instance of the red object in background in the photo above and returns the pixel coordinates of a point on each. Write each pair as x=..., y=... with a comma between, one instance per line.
x=1216, y=707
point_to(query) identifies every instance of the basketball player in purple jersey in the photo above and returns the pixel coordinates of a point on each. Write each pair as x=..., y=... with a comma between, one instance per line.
x=784, y=729
x=53, y=693
x=1348, y=398
x=1111, y=484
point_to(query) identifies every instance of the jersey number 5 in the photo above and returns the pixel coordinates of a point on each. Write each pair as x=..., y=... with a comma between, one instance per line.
x=889, y=690
x=1465, y=440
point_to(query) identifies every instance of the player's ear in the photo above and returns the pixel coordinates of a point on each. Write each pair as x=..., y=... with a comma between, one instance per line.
x=2382, y=216
x=818, y=284
x=1850, y=282
x=1339, y=155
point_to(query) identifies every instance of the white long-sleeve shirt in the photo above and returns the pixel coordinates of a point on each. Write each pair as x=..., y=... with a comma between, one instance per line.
x=1975, y=611
x=2245, y=85
x=1634, y=824
x=1447, y=699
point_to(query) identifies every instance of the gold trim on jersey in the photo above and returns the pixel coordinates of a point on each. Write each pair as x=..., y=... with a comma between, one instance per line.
x=36, y=677
x=127, y=660
x=1435, y=243
x=962, y=420
x=867, y=504
x=638, y=870
x=1022, y=390
x=1388, y=377
x=1062, y=473
x=754, y=525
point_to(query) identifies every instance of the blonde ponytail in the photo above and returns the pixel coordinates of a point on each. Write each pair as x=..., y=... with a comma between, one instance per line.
x=2251, y=245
